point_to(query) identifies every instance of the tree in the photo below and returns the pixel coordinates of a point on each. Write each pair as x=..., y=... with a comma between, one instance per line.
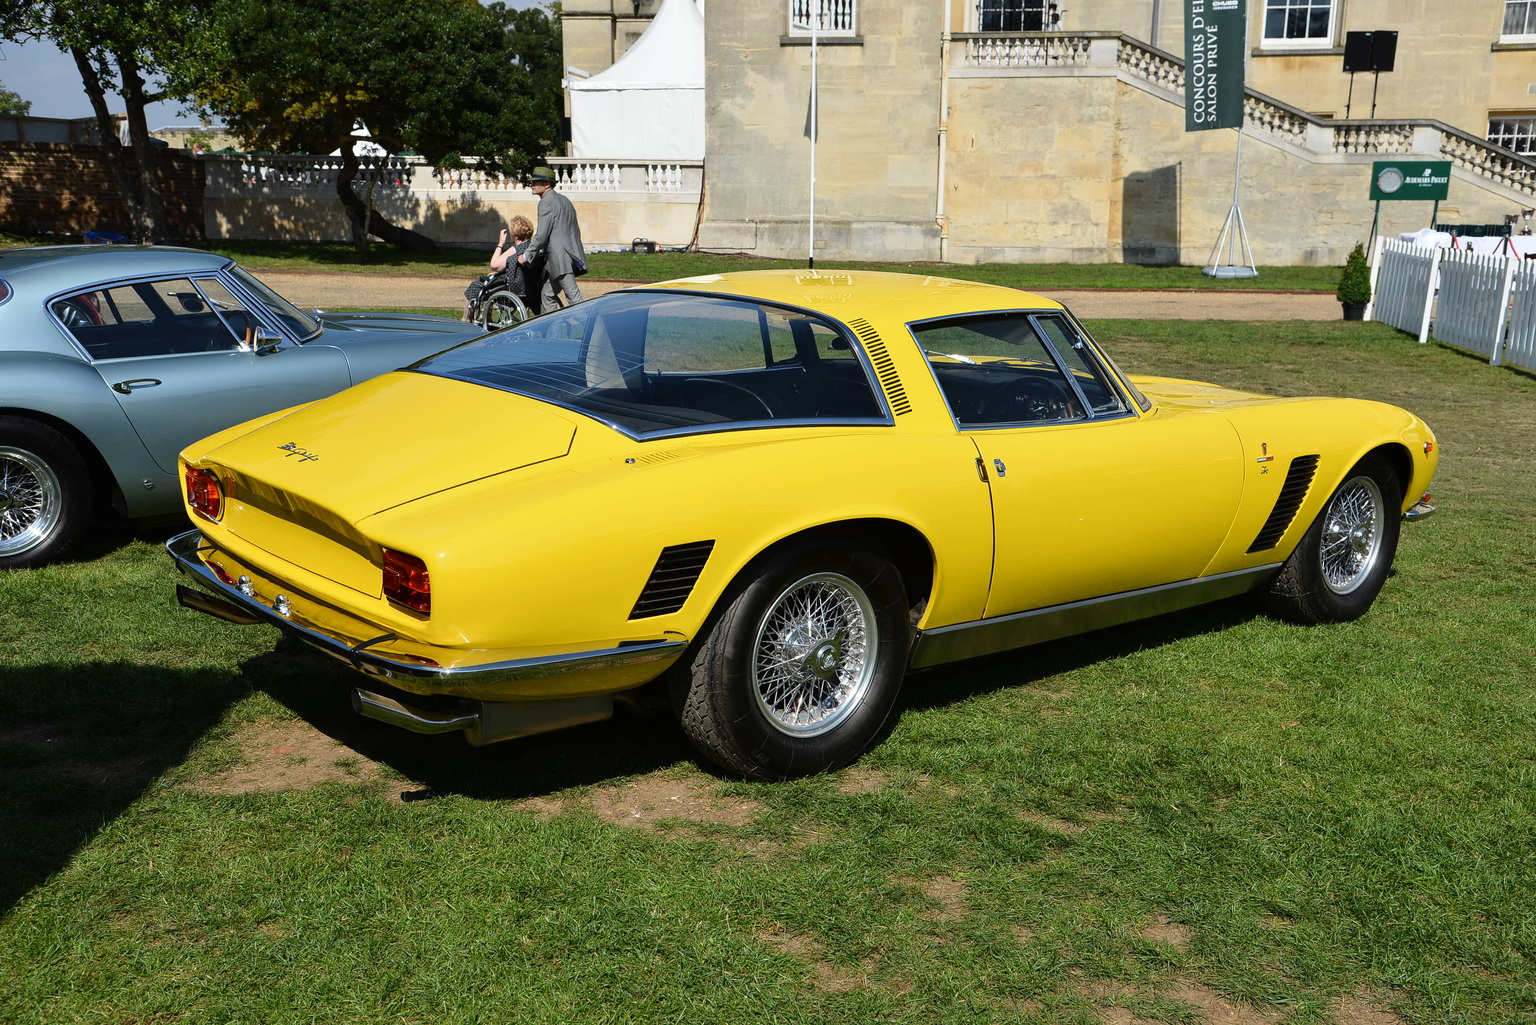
x=118, y=45
x=12, y=105
x=442, y=78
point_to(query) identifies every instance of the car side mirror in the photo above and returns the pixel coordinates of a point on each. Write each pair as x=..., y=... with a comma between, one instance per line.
x=261, y=341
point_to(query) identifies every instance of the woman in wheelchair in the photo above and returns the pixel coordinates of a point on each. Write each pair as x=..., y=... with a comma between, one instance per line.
x=506, y=275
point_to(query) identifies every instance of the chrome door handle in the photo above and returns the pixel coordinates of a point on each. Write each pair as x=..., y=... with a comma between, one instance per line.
x=127, y=386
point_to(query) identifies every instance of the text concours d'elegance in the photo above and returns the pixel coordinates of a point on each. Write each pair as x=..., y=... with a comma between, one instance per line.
x=1205, y=38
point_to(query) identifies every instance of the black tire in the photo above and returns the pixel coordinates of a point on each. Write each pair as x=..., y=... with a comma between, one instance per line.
x=502, y=309
x=45, y=494
x=799, y=669
x=1343, y=559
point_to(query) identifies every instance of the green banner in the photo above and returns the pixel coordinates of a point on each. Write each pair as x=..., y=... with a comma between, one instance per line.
x=1411, y=179
x=1215, y=35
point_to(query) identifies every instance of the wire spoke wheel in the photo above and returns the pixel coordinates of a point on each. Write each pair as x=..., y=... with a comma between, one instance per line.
x=1352, y=534
x=1341, y=562
x=31, y=500
x=797, y=671
x=812, y=661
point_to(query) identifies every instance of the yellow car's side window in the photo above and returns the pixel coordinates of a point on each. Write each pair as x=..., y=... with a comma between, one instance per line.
x=648, y=363
x=995, y=369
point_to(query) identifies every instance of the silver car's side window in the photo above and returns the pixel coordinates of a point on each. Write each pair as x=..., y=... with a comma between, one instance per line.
x=146, y=318
x=995, y=370
x=241, y=322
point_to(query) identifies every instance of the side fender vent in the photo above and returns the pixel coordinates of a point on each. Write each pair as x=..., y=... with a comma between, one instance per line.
x=885, y=370
x=672, y=579
x=1298, y=481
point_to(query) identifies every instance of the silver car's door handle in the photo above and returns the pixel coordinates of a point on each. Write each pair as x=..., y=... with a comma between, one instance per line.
x=142, y=382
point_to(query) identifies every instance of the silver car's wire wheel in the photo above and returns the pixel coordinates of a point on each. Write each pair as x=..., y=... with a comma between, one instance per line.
x=1352, y=534
x=31, y=500
x=813, y=654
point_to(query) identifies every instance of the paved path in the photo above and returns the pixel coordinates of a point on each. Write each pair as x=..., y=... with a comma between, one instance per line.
x=390, y=291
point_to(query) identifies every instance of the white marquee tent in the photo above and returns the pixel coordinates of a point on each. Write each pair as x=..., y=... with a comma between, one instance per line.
x=650, y=104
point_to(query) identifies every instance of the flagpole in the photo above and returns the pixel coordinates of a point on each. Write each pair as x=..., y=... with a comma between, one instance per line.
x=810, y=247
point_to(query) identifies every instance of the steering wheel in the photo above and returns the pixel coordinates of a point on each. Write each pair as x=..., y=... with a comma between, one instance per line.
x=731, y=409
x=76, y=311
x=1030, y=398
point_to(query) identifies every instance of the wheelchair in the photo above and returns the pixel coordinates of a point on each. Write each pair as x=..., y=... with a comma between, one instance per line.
x=497, y=305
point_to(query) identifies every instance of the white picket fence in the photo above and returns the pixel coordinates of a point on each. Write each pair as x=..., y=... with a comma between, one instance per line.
x=1483, y=303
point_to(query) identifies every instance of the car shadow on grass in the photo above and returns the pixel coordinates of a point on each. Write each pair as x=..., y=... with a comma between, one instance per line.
x=81, y=743
x=318, y=690
x=1023, y=667
x=634, y=743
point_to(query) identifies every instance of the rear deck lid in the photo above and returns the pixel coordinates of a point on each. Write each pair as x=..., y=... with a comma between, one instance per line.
x=394, y=439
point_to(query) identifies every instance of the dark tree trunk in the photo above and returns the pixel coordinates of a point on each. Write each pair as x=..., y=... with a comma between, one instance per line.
x=146, y=154
x=136, y=169
x=119, y=162
x=371, y=222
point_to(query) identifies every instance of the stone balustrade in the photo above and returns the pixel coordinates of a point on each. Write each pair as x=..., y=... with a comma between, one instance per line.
x=1076, y=53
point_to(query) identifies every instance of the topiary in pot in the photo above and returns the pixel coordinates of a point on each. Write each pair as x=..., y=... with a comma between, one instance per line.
x=1355, y=285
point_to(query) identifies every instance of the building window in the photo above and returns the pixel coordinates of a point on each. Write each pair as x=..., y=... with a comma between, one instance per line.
x=1299, y=23
x=838, y=17
x=1519, y=19
x=1516, y=133
x=1017, y=16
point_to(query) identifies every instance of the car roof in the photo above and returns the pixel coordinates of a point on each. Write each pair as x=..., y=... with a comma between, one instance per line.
x=851, y=294
x=52, y=268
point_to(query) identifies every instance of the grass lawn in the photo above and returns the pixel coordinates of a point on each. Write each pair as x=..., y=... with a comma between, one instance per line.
x=1211, y=816
x=459, y=263
x=663, y=266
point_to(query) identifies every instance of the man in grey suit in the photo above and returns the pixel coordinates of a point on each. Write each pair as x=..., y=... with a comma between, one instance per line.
x=558, y=238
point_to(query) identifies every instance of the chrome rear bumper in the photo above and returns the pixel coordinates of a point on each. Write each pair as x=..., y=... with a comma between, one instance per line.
x=216, y=598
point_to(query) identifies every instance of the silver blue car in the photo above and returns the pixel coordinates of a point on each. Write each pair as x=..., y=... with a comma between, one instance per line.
x=114, y=358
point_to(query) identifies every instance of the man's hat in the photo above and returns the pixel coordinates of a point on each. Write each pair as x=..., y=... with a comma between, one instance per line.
x=541, y=174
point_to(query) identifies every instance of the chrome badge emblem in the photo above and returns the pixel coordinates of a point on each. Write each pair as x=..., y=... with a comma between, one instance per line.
x=304, y=454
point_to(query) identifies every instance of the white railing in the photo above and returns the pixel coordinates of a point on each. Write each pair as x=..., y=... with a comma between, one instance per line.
x=1482, y=302
x=298, y=173
x=1007, y=50
x=590, y=177
x=1373, y=138
x=838, y=17
x=476, y=179
x=1403, y=285
x=1520, y=340
x=653, y=177
x=1474, y=301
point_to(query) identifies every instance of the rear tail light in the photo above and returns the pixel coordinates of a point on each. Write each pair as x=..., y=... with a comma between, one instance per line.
x=203, y=493
x=406, y=581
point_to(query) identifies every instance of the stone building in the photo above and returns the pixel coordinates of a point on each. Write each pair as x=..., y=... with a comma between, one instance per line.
x=1026, y=130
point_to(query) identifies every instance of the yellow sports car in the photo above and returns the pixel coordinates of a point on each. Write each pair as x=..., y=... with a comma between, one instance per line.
x=779, y=492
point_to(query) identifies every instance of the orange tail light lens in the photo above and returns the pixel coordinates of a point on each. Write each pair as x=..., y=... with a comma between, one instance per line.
x=406, y=581
x=203, y=494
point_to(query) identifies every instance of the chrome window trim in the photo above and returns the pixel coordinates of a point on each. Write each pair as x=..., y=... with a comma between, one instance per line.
x=1122, y=381
x=267, y=316
x=1091, y=358
x=871, y=379
x=1031, y=313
